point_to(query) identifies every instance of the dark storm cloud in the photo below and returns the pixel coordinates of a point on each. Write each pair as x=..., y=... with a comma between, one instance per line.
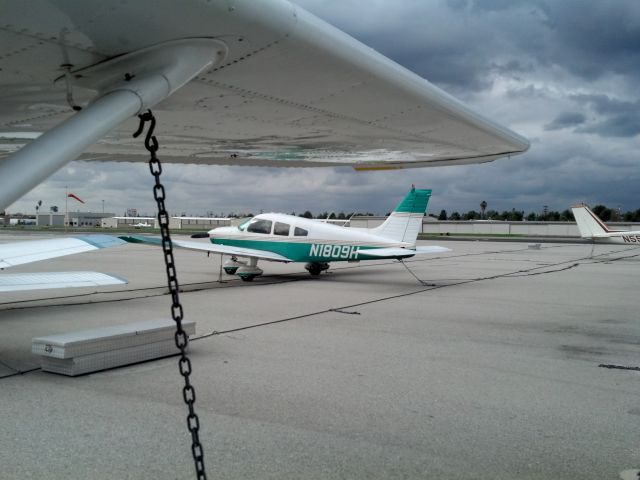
x=460, y=43
x=596, y=37
x=624, y=125
x=587, y=38
x=566, y=120
x=617, y=118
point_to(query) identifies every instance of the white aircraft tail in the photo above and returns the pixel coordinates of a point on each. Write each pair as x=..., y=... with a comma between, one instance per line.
x=405, y=222
x=588, y=222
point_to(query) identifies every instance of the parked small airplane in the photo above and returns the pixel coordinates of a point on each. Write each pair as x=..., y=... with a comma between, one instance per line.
x=592, y=227
x=285, y=238
x=142, y=225
x=20, y=253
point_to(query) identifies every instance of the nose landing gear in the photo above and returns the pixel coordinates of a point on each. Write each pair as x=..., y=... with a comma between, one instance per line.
x=232, y=265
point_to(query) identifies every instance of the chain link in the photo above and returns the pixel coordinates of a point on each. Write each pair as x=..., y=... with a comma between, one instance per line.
x=181, y=338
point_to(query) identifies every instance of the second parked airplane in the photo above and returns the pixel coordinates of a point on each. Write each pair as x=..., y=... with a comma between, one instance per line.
x=592, y=227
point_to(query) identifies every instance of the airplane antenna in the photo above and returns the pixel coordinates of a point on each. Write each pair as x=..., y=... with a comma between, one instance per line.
x=181, y=338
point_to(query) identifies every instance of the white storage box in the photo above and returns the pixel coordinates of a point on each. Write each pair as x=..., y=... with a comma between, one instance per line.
x=85, y=351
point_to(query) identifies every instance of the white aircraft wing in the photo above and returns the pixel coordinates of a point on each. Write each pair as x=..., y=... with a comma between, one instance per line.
x=18, y=253
x=210, y=247
x=401, y=252
x=36, y=281
x=281, y=88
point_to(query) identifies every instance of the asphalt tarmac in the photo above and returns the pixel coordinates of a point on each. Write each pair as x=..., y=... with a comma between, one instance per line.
x=481, y=363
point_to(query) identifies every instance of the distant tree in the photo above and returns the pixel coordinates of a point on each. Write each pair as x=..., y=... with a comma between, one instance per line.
x=483, y=207
x=517, y=215
x=531, y=217
x=307, y=214
x=553, y=216
x=632, y=216
x=455, y=216
x=471, y=215
x=443, y=215
x=341, y=216
x=566, y=216
x=332, y=216
x=603, y=212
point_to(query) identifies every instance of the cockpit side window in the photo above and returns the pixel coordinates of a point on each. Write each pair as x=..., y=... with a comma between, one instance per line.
x=281, y=229
x=258, y=225
x=300, y=232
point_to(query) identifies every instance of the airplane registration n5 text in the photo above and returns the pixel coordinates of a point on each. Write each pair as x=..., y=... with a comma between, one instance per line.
x=631, y=238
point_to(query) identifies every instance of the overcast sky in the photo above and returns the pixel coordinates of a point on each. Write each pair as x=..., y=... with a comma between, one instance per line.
x=563, y=73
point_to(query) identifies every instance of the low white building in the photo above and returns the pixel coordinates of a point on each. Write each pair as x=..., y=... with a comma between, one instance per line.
x=129, y=222
x=50, y=219
x=87, y=219
x=198, y=223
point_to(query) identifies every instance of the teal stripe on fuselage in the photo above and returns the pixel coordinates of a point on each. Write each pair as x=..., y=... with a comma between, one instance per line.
x=415, y=202
x=302, y=252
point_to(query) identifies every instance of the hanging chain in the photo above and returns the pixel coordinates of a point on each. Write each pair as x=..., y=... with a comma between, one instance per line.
x=181, y=338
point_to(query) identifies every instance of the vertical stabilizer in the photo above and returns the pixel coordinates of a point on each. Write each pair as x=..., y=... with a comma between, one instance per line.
x=588, y=222
x=405, y=222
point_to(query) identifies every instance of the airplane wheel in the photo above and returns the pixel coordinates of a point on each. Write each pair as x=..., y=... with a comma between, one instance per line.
x=231, y=270
x=247, y=278
x=315, y=269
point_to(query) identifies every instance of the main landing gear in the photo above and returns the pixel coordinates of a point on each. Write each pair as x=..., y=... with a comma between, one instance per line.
x=315, y=268
x=250, y=271
x=246, y=271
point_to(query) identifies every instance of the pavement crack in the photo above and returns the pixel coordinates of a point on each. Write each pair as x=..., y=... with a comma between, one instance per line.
x=619, y=367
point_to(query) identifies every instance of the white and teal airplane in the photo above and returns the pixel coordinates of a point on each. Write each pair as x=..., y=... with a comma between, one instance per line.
x=286, y=238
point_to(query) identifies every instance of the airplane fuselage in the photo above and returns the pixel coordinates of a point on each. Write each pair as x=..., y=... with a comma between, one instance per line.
x=303, y=240
x=632, y=238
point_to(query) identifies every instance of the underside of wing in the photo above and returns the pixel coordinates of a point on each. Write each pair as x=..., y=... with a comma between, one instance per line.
x=14, y=282
x=213, y=248
x=19, y=253
x=287, y=89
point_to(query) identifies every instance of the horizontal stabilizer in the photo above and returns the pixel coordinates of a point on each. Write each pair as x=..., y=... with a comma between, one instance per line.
x=210, y=247
x=401, y=252
x=431, y=249
x=15, y=282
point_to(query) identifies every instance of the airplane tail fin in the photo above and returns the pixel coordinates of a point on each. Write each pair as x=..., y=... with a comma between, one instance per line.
x=588, y=222
x=405, y=221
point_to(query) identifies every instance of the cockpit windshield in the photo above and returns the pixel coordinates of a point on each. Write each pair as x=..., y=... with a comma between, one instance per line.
x=259, y=225
x=243, y=226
